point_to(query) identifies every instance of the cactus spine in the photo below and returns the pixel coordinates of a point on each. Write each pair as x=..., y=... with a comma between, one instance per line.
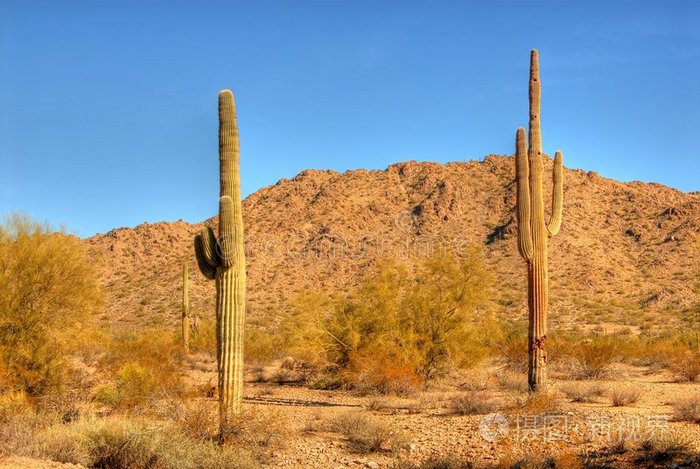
x=533, y=232
x=185, y=309
x=223, y=260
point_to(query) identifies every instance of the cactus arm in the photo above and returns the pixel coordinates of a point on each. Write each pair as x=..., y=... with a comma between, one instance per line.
x=523, y=193
x=210, y=252
x=557, y=195
x=230, y=232
x=207, y=270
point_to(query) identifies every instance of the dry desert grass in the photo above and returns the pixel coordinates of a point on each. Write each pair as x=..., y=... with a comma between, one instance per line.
x=443, y=425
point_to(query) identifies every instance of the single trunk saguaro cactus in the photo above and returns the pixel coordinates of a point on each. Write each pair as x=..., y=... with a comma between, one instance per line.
x=223, y=260
x=185, y=309
x=533, y=231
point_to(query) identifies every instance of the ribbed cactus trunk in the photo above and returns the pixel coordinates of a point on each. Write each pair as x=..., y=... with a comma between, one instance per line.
x=185, y=309
x=533, y=231
x=224, y=261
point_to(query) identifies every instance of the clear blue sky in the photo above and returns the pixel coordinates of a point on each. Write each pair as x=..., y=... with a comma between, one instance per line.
x=108, y=109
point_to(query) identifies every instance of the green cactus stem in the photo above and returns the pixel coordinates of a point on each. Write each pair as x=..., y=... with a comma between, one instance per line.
x=223, y=260
x=185, y=309
x=533, y=232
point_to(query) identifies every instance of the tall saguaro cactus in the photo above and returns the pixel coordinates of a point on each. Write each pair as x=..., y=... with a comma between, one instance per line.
x=223, y=260
x=185, y=309
x=533, y=231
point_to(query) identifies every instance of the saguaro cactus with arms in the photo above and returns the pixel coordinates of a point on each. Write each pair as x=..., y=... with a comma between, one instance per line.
x=223, y=260
x=533, y=231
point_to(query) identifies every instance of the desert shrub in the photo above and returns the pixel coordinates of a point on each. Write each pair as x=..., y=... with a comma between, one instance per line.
x=367, y=435
x=440, y=309
x=303, y=333
x=382, y=369
x=196, y=418
x=512, y=351
x=621, y=442
x=255, y=429
x=18, y=422
x=118, y=442
x=420, y=316
x=579, y=392
x=687, y=409
x=476, y=381
x=134, y=380
x=282, y=376
x=476, y=403
x=66, y=406
x=326, y=380
x=511, y=381
x=144, y=366
x=624, y=396
x=48, y=289
x=259, y=429
x=663, y=350
x=314, y=423
x=136, y=384
x=107, y=394
x=204, y=341
x=591, y=358
x=377, y=404
x=663, y=448
x=649, y=351
x=685, y=365
x=540, y=458
x=435, y=462
x=260, y=347
x=539, y=404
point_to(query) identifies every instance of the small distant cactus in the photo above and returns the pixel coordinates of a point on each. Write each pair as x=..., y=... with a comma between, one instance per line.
x=533, y=232
x=185, y=309
x=223, y=260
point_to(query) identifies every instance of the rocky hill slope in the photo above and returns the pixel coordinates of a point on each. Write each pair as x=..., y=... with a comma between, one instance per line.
x=628, y=253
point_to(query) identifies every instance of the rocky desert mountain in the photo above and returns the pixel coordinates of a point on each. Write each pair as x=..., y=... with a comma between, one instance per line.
x=628, y=253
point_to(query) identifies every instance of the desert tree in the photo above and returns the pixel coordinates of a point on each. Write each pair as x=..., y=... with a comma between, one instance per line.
x=48, y=289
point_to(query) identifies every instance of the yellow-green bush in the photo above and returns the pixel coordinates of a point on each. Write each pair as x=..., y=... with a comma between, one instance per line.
x=685, y=365
x=204, y=341
x=382, y=368
x=260, y=347
x=591, y=357
x=512, y=350
x=118, y=442
x=144, y=366
x=415, y=318
x=48, y=289
x=108, y=394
